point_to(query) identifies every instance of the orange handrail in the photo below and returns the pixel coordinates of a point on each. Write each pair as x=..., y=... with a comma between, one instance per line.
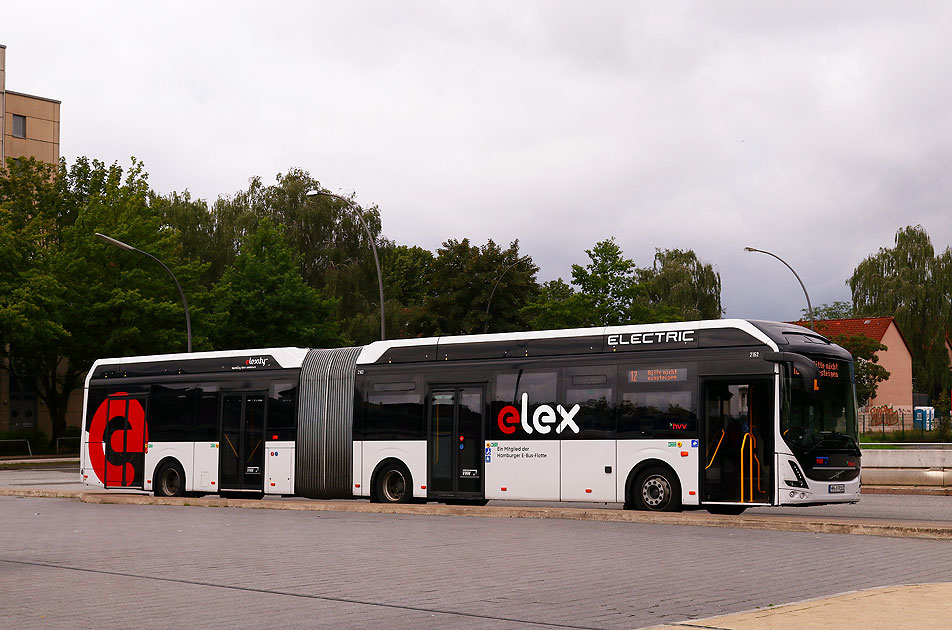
x=715, y=450
x=750, y=467
x=753, y=439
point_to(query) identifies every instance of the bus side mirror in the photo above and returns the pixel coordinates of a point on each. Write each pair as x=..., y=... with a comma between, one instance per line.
x=809, y=372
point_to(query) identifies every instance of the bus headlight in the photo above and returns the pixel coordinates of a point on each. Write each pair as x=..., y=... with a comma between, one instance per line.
x=800, y=481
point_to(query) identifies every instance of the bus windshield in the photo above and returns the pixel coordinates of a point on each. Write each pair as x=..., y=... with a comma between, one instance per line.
x=824, y=418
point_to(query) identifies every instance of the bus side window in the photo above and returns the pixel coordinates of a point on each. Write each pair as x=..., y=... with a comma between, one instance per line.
x=206, y=414
x=394, y=410
x=171, y=414
x=97, y=395
x=281, y=411
x=540, y=387
x=593, y=390
x=659, y=414
x=657, y=402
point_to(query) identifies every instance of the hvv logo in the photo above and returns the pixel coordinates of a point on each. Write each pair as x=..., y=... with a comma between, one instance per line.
x=542, y=418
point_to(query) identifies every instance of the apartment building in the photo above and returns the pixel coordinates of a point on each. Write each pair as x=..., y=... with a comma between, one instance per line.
x=30, y=124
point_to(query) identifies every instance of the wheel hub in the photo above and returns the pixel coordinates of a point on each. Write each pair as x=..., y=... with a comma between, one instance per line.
x=655, y=491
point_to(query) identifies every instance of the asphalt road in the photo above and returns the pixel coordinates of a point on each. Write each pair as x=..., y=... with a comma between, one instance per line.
x=71, y=564
x=914, y=508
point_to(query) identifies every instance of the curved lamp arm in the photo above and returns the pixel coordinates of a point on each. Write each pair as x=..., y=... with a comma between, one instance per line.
x=796, y=275
x=127, y=247
x=373, y=246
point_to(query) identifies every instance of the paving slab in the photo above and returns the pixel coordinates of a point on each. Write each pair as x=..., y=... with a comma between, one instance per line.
x=826, y=525
x=919, y=606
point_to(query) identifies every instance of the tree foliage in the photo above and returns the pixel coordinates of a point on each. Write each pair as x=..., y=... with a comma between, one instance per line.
x=66, y=298
x=913, y=285
x=680, y=281
x=610, y=282
x=838, y=309
x=262, y=300
x=558, y=305
x=462, y=279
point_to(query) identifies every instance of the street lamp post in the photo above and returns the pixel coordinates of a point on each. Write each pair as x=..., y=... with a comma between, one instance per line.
x=126, y=246
x=373, y=246
x=491, y=293
x=802, y=286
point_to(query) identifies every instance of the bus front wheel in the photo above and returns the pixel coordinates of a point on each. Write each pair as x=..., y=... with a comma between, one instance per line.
x=393, y=485
x=656, y=490
x=170, y=480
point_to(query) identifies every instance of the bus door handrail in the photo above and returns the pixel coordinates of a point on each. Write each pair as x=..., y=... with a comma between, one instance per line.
x=715, y=450
x=753, y=439
x=744, y=445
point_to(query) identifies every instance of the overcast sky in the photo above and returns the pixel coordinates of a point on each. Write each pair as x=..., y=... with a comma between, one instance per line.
x=814, y=130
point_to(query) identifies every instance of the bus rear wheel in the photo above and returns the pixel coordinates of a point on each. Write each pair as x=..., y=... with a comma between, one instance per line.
x=656, y=490
x=393, y=485
x=170, y=480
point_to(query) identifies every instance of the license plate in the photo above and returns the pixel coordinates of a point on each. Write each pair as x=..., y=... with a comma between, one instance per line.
x=837, y=488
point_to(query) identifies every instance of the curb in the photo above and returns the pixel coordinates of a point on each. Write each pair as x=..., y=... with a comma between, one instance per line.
x=934, y=491
x=865, y=527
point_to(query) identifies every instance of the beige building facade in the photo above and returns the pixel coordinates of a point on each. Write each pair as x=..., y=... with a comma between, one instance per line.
x=30, y=124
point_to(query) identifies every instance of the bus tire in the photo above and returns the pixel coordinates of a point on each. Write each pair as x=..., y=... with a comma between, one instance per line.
x=656, y=489
x=169, y=480
x=393, y=484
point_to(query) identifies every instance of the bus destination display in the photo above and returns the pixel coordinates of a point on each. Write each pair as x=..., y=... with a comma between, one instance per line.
x=658, y=375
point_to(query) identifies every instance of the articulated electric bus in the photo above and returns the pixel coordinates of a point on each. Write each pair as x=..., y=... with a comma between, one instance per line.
x=722, y=415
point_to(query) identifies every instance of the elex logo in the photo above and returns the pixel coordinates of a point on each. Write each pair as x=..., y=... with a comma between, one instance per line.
x=543, y=418
x=256, y=361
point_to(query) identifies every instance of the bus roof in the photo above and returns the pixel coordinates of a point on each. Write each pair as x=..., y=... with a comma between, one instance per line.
x=603, y=339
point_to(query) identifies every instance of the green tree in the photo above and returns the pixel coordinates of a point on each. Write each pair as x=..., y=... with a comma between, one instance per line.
x=461, y=282
x=612, y=285
x=679, y=281
x=262, y=300
x=324, y=233
x=942, y=410
x=837, y=309
x=67, y=298
x=557, y=306
x=913, y=285
x=406, y=278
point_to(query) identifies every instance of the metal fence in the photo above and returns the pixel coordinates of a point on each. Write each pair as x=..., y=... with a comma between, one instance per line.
x=888, y=421
x=29, y=449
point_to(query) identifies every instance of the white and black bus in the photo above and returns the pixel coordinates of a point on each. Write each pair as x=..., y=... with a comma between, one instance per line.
x=721, y=414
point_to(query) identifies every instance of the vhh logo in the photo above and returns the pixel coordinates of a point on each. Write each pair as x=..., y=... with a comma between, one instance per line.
x=543, y=418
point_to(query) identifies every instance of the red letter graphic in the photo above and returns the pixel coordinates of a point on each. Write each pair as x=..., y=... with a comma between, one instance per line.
x=117, y=437
x=508, y=418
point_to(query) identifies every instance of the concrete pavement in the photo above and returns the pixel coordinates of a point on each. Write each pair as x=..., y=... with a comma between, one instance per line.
x=826, y=525
x=919, y=606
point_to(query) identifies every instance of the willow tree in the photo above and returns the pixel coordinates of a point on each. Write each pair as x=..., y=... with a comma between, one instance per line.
x=913, y=285
x=680, y=281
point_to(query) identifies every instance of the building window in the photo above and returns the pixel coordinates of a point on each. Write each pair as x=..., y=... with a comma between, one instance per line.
x=19, y=126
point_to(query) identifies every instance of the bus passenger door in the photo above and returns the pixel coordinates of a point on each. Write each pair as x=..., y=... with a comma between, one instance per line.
x=242, y=442
x=737, y=440
x=117, y=441
x=454, y=447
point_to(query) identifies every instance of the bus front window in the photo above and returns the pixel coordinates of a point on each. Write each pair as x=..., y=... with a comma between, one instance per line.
x=825, y=416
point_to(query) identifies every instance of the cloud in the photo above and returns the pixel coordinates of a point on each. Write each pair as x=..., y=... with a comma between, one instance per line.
x=812, y=130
